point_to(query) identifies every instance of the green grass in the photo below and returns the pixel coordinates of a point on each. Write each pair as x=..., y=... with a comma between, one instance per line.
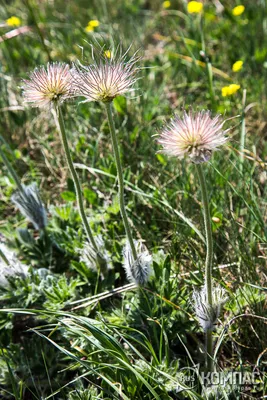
x=139, y=343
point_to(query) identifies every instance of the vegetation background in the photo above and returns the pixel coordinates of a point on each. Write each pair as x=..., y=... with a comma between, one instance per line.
x=137, y=344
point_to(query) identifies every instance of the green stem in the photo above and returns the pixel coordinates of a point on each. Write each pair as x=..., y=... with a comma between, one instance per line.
x=61, y=128
x=208, y=265
x=2, y=255
x=201, y=28
x=120, y=178
x=209, y=351
x=243, y=130
x=207, y=61
x=10, y=168
x=210, y=77
x=39, y=32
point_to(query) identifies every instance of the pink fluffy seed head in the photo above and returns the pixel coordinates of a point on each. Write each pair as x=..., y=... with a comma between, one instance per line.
x=46, y=85
x=106, y=78
x=195, y=135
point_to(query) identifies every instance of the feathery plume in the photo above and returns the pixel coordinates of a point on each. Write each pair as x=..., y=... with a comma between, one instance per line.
x=206, y=314
x=30, y=205
x=138, y=271
x=53, y=83
x=194, y=134
x=107, y=77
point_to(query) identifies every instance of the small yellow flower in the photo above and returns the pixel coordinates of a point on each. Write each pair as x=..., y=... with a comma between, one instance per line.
x=89, y=28
x=229, y=90
x=94, y=23
x=233, y=88
x=13, y=21
x=225, y=91
x=238, y=10
x=194, y=7
x=166, y=4
x=237, y=66
x=108, y=53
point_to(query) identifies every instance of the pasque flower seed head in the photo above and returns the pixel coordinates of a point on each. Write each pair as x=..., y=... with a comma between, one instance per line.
x=194, y=134
x=46, y=85
x=107, y=77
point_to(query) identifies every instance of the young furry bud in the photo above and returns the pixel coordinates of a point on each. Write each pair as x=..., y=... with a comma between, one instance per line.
x=14, y=267
x=208, y=315
x=138, y=271
x=30, y=205
x=96, y=260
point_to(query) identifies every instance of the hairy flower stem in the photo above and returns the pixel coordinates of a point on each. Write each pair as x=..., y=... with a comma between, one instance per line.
x=208, y=266
x=10, y=168
x=61, y=128
x=120, y=178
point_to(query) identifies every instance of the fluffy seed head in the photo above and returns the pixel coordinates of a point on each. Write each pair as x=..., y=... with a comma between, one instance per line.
x=49, y=84
x=194, y=134
x=107, y=77
x=30, y=205
x=206, y=314
x=137, y=271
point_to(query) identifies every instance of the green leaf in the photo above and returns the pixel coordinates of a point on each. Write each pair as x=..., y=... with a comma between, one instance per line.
x=120, y=104
x=17, y=154
x=114, y=208
x=90, y=196
x=161, y=159
x=68, y=196
x=25, y=236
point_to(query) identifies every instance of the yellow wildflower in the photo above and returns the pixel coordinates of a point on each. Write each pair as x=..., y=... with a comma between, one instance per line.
x=233, y=88
x=108, y=53
x=237, y=66
x=225, y=91
x=94, y=23
x=89, y=28
x=238, y=10
x=194, y=7
x=229, y=90
x=13, y=21
x=166, y=4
